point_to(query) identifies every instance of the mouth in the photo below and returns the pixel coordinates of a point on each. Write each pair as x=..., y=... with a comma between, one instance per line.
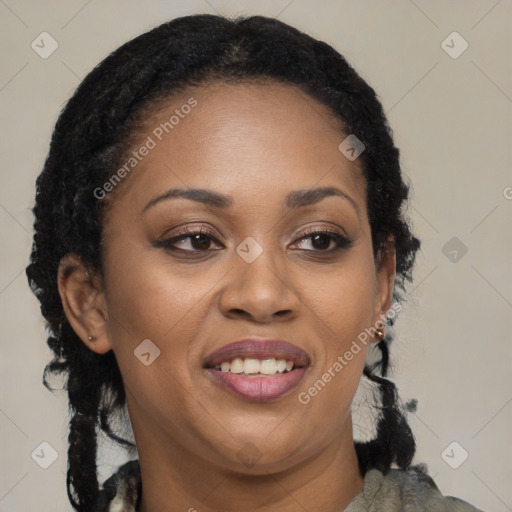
x=258, y=370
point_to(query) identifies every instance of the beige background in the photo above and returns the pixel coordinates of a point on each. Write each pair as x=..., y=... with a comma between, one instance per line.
x=452, y=120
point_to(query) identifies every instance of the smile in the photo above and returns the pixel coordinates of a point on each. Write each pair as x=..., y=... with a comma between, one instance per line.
x=254, y=367
x=258, y=370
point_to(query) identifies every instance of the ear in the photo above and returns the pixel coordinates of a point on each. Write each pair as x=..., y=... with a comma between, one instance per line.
x=385, y=282
x=84, y=304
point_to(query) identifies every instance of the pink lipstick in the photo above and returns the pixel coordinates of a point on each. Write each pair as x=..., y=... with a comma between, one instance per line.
x=258, y=370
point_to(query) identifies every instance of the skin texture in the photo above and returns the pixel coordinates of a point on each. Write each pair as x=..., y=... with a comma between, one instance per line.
x=255, y=143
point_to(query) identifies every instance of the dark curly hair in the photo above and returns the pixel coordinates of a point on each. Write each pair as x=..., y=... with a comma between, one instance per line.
x=88, y=143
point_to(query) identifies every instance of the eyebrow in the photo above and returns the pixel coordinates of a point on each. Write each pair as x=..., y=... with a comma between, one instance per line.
x=305, y=197
x=294, y=199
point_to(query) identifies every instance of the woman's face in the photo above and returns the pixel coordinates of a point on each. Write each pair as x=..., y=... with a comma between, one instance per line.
x=267, y=160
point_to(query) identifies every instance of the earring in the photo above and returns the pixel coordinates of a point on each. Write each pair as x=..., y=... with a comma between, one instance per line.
x=380, y=334
x=91, y=338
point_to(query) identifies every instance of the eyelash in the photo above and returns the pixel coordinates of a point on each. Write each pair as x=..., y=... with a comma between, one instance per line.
x=341, y=241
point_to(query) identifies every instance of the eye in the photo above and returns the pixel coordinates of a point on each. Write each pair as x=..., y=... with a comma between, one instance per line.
x=323, y=240
x=191, y=240
x=203, y=240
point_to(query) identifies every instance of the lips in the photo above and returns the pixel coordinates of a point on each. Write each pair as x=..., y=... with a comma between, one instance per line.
x=258, y=349
x=256, y=385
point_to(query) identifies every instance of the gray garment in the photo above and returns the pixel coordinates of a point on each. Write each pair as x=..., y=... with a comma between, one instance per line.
x=399, y=490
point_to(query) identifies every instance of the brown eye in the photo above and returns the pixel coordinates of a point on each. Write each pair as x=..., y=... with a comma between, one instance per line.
x=191, y=241
x=200, y=242
x=323, y=241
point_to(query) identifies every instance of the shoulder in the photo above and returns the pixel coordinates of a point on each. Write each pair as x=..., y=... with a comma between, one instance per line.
x=122, y=491
x=410, y=490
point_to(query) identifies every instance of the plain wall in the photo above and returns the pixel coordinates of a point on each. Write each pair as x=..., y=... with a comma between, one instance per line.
x=451, y=118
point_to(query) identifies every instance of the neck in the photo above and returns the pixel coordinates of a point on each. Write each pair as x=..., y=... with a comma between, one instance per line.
x=175, y=479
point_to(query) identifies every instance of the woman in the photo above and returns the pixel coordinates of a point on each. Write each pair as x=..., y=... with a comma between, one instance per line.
x=219, y=245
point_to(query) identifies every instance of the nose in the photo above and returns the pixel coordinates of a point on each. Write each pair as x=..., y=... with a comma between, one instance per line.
x=259, y=292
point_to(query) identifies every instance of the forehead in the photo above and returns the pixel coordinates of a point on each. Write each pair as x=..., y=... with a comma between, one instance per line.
x=251, y=141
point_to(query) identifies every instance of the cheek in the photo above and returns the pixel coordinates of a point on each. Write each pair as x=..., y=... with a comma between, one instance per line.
x=150, y=299
x=153, y=301
x=342, y=302
x=343, y=298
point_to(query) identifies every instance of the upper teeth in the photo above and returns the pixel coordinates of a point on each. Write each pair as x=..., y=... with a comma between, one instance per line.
x=250, y=366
